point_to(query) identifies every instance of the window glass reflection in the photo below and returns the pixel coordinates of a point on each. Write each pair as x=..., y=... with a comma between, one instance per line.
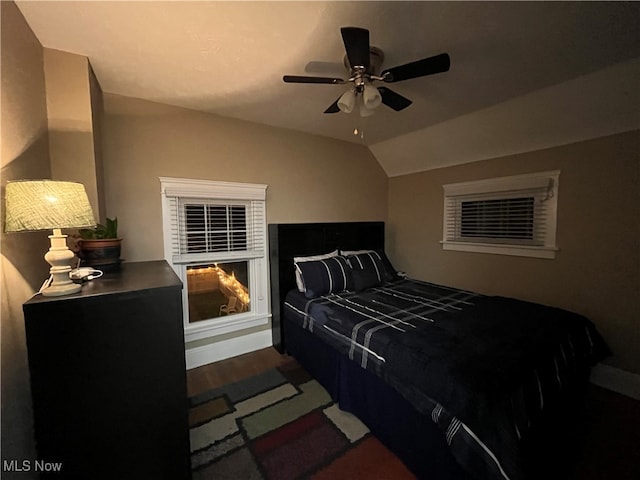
x=216, y=290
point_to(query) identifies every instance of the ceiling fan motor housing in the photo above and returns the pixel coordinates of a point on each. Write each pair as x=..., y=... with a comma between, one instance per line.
x=376, y=57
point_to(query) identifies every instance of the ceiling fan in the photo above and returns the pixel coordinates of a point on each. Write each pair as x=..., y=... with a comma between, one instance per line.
x=363, y=62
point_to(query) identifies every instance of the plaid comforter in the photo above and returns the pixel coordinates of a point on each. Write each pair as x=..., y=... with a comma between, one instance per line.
x=483, y=368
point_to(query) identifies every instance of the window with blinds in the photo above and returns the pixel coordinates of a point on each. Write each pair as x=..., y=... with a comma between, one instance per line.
x=508, y=215
x=215, y=240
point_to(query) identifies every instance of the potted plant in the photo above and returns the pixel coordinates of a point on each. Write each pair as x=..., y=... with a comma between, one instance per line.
x=100, y=247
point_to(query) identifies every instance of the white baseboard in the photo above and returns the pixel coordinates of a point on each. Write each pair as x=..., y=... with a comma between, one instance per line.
x=615, y=379
x=198, y=356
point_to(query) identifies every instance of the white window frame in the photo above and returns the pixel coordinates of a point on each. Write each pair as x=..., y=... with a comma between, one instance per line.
x=505, y=187
x=174, y=188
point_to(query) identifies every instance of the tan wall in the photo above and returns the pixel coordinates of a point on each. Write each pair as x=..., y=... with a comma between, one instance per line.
x=309, y=178
x=97, y=114
x=25, y=155
x=597, y=270
x=70, y=121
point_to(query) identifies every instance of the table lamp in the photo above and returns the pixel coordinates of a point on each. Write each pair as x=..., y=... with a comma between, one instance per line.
x=50, y=205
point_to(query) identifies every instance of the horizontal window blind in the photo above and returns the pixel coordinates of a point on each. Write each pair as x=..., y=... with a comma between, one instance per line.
x=210, y=229
x=519, y=219
x=510, y=211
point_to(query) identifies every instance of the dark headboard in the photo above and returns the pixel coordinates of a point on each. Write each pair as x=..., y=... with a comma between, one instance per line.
x=288, y=240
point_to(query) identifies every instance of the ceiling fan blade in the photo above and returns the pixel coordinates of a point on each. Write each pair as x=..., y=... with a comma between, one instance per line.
x=419, y=68
x=356, y=43
x=333, y=108
x=303, y=79
x=393, y=100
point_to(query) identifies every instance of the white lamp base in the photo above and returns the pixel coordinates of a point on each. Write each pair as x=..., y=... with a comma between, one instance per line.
x=59, y=257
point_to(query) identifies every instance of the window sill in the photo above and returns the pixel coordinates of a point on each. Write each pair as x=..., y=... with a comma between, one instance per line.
x=223, y=325
x=514, y=250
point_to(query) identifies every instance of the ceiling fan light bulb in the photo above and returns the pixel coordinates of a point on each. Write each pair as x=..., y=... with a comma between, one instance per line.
x=347, y=101
x=371, y=97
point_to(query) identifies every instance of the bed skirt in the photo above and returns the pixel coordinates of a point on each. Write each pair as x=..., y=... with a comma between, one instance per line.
x=410, y=435
x=547, y=452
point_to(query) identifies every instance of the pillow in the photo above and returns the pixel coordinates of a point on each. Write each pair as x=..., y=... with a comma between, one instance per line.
x=346, y=253
x=310, y=258
x=390, y=272
x=370, y=263
x=363, y=279
x=322, y=277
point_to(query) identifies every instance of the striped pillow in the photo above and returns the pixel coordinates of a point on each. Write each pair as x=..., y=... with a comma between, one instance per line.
x=373, y=271
x=363, y=279
x=309, y=258
x=322, y=277
x=390, y=273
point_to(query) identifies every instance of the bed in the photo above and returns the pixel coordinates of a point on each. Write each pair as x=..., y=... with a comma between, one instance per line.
x=459, y=385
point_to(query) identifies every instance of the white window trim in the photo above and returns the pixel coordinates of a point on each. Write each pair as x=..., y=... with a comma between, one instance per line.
x=258, y=271
x=507, y=184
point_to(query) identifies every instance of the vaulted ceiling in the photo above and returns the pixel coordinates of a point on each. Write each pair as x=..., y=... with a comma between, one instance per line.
x=523, y=76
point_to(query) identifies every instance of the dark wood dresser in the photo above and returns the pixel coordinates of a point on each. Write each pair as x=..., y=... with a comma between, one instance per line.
x=108, y=377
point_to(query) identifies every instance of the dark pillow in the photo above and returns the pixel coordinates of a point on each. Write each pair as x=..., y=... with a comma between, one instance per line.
x=371, y=264
x=363, y=279
x=321, y=277
x=390, y=272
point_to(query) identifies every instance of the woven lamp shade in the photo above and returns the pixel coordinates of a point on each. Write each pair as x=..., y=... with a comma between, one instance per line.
x=46, y=205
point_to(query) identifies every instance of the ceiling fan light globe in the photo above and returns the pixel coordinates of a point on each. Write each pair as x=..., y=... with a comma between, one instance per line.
x=347, y=101
x=371, y=97
x=366, y=112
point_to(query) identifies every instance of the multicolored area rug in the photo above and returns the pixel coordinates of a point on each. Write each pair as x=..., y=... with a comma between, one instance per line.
x=282, y=425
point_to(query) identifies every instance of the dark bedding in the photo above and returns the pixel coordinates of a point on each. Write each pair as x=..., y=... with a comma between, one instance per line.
x=483, y=368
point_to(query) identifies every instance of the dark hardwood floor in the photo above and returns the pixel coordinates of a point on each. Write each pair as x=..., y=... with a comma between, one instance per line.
x=233, y=369
x=607, y=444
x=610, y=447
